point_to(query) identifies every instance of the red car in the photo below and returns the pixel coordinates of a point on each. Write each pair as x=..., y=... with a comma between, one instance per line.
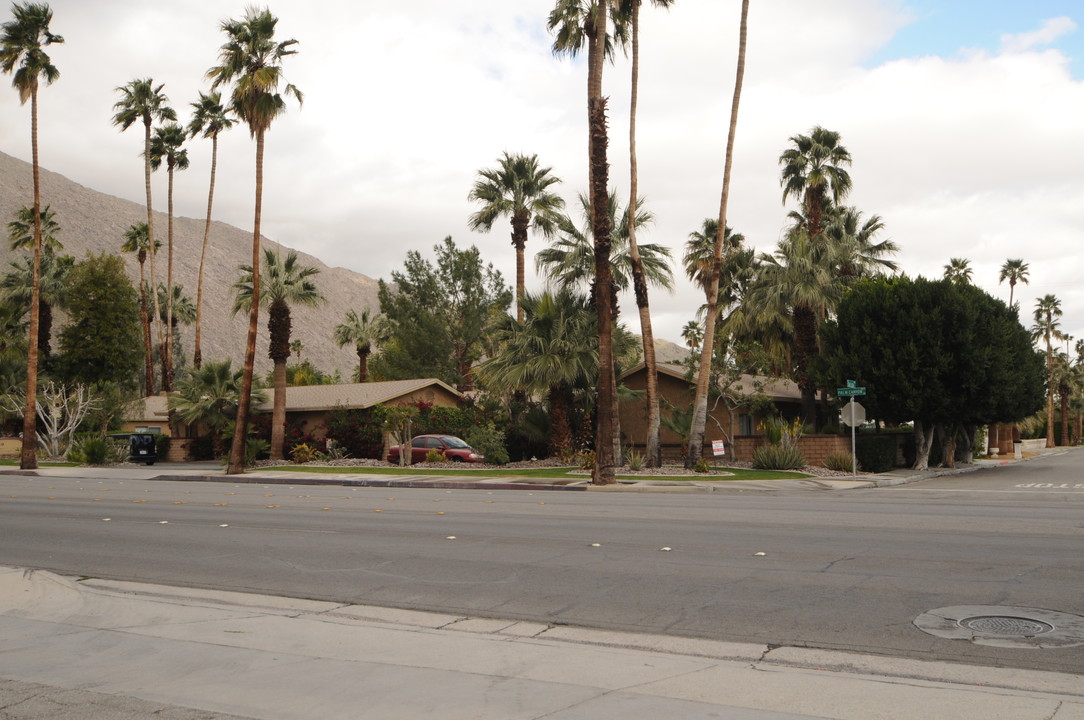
x=450, y=446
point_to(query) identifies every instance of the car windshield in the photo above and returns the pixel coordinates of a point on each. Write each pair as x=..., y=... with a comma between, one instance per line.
x=454, y=442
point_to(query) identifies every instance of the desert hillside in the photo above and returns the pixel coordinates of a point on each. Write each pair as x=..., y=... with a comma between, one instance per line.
x=92, y=222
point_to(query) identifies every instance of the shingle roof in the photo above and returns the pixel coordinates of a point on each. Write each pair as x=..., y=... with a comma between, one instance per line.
x=779, y=389
x=351, y=395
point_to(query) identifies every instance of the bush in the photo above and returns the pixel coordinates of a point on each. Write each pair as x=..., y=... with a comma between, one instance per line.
x=634, y=460
x=435, y=456
x=303, y=453
x=777, y=457
x=489, y=441
x=877, y=453
x=584, y=460
x=161, y=446
x=840, y=462
x=702, y=466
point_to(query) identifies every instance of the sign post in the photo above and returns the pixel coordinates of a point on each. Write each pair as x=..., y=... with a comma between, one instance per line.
x=854, y=415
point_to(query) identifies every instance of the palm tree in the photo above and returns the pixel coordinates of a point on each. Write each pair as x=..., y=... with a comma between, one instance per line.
x=210, y=395
x=519, y=189
x=700, y=399
x=22, y=55
x=699, y=258
x=137, y=240
x=1015, y=271
x=692, y=334
x=167, y=144
x=959, y=271
x=285, y=282
x=184, y=310
x=296, y=346
x=576, y=23
x=12, y=342
x=653, y=451
x=21, y=230
x=569, y=261
x=209, y=119
x=251, y=61
x=361, y=331
x=142, y=101
x=813, y=172
x=1047, y=312
x=549, y=352
x=858, y=253
x=53, y=272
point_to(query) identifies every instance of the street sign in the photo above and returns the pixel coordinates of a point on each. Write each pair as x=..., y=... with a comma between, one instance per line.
x=852, y=383
x=850, y=391
x=717, y=448
x=853, y=414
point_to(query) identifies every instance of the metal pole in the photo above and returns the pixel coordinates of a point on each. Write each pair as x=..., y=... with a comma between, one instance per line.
x=854, y=447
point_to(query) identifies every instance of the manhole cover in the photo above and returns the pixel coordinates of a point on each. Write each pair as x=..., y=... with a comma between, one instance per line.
x=1001, y=626
x=1006, y=626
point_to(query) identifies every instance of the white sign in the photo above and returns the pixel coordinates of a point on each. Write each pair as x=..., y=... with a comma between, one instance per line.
x=853, y=414
x=717, y=448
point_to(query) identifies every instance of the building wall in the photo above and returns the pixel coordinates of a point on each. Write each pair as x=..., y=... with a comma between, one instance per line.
x=814, y=448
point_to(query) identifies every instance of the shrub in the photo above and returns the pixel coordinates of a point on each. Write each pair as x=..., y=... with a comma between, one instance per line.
x=584, y=459
x=702, y=466
x=161, y=445
x=435, y=456
x=634, y=460
x=877, y=453
x=840, y=462
x=489, y=441
x=777, y=457
x=303, y=453
x=335, y=451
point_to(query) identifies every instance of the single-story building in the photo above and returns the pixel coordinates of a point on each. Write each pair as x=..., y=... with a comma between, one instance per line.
x=737, y=430
x=306, y=406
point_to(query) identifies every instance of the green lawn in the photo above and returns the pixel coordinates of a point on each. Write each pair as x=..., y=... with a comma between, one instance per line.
x=15, y=463
x=563, y=473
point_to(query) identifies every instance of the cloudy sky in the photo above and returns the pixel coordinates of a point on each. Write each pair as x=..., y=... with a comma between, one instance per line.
x=965, y=119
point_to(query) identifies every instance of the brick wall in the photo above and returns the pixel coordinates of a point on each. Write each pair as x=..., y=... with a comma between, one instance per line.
x=814, y=448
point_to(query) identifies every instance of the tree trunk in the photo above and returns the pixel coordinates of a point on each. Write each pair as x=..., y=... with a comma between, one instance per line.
x=278, y=412
x=948, y=444
x=805, y=347
x=197, y=353
x=1049, y=393
x=560, y=424
x=1063, y=392
x=652, y=450
x=148, y=351
x=520, y=220
x=156, y=322
x=603, y=472
x=923, y=441
x=700, y=402
x=363, y=366
x=965, y=451
x=237, y=449
x=28, y=458
x=167, y=362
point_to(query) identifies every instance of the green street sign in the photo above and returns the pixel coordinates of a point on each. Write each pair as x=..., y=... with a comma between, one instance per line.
x=852, y=383
x=850, y=391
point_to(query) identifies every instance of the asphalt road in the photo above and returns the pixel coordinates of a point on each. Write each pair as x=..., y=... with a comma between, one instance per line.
x=843, y=570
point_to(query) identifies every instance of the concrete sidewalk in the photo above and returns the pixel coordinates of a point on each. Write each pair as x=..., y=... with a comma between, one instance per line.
x=213, y=472
x=109, y=650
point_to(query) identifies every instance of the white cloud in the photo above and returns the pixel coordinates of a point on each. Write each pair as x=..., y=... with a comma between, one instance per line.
x=975, y=156
x=1051, y=30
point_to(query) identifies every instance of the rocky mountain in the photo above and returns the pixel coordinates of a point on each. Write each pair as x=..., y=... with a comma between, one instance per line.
x=94, y=222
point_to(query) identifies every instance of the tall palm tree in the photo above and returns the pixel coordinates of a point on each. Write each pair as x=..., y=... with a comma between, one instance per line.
x=22, y=55
x=859, y=254
x=958, y=270
x=548, y=353
x=653, y=450
x=361, y=331
x=1015, y=271
x=700, y=399
x=285, y=282
x=137, y=240
x=167, y=145
x=520, y=189
x=577, y=23
x=209, y=118
x=251, y=63
x=21, y=230
x=1047, y=327
x=692, y=334
x=142, y=101
x=569, y=261
x=699, y=258
x=12, y=342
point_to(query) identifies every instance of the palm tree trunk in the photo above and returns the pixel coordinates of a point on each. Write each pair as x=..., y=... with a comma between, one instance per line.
x=653, y=450
x=167, y=362
x=363, y=366
x=197, y=353
x=603, y=473
x=805, y=347
x=28, y=459
x=155, y=322
x=148, y=353
x=278, y=412
x=237, y=449
x=1063, y=391
x=700, y=402
x=1049, y=393
x=560, y=422
x=520, y=221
